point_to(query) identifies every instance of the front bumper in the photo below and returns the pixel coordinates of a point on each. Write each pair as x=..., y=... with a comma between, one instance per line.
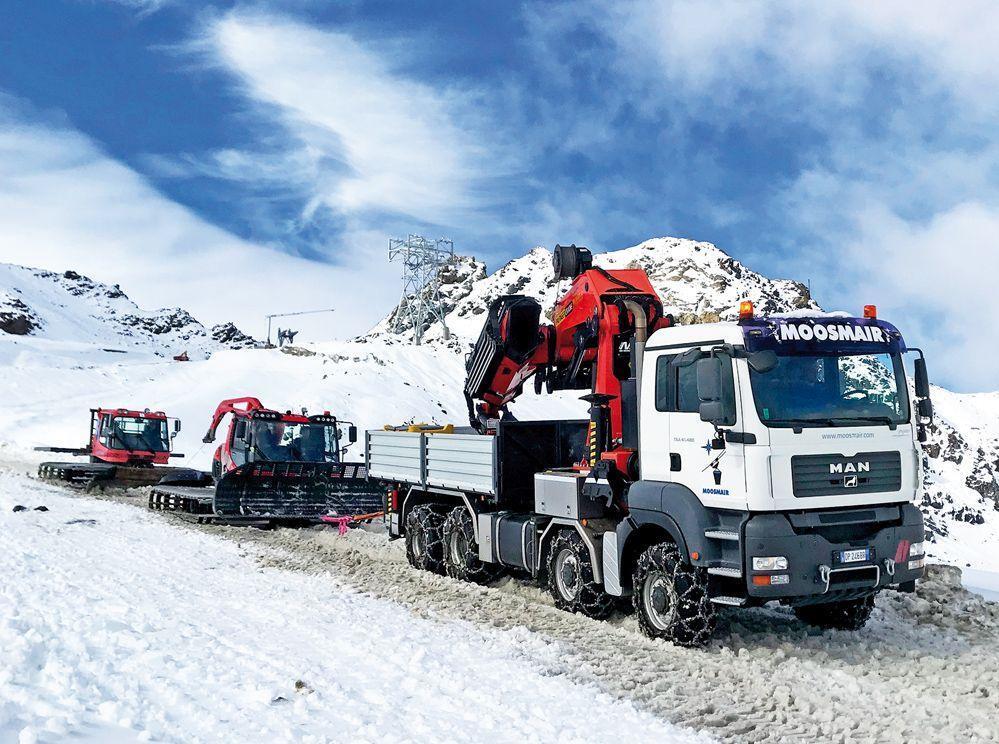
x=811, y=543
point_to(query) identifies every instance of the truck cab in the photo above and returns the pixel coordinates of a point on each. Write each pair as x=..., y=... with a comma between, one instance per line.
x=782, y=454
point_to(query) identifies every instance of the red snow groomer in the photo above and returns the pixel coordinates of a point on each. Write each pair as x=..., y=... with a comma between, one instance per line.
x=276, y=467
x=127, y=448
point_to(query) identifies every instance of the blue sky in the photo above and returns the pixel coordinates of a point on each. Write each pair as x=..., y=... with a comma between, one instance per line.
x=165, y=144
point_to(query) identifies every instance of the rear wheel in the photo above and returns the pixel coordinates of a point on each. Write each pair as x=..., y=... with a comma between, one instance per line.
x=461, y=551
x=570, y=578
x=671, y=597
x=424, y=539
x=851, y=614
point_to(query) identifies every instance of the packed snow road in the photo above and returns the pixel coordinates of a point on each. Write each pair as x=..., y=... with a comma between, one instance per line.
x=926, y=667
x=118, y=625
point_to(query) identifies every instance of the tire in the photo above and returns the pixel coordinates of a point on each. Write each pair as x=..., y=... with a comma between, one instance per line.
x=570, y=578
x=424, y=539
x=671, y=597
x=851, y=614
x=461, y=551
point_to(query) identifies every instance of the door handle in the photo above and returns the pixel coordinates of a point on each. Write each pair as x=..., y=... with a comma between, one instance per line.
x=674, y=461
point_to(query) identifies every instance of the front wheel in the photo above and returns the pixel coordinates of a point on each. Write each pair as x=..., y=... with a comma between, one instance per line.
x=461, y=551
x=850, y=614
x=671, y=597
x=570, y=578
x=424, y=540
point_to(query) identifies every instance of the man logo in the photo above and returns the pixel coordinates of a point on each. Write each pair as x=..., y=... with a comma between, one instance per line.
x=849, y=467
x=849, y=481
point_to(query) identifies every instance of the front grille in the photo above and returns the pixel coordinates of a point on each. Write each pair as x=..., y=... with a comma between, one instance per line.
x=836, y=475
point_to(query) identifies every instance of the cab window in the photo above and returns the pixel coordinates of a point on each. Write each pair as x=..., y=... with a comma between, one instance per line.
x=676, y=386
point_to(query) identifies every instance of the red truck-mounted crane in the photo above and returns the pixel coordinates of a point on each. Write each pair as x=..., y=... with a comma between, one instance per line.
x=127, y=448
x=772, y=459
x=588, y=346
x=275, y=466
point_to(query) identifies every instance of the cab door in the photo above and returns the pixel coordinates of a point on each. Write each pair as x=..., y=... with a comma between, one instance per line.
x=654, y=421
x=238, y=445
x=713, y=470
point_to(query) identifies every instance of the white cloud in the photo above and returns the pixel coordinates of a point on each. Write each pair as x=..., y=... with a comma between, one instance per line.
x=825, y=54
x=940, y=278
x=404, y=148
x=65, y=204
x=898, y=200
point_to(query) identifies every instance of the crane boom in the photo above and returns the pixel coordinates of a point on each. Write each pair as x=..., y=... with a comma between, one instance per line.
x=588, y=345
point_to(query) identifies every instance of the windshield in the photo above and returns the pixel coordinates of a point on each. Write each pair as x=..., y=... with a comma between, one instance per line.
x=831, y=390
x=279, y=441
x=139, y=434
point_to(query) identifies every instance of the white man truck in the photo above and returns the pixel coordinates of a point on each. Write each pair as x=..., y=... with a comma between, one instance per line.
x=773, y=459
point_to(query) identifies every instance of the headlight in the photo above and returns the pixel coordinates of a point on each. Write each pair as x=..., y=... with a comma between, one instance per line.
x=916, y=549
x=770, y=563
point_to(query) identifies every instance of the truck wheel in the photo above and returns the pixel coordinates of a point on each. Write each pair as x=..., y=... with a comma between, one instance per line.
x=424, y=539
x=671, y=597
x=851, y=614
x=461, y=551
x=570, y=578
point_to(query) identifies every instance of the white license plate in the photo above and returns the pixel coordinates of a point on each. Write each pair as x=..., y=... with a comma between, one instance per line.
x=854, y=556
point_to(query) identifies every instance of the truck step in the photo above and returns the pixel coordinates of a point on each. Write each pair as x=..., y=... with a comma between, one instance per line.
x=729, y=601
x=729, y=571
x=722, y=535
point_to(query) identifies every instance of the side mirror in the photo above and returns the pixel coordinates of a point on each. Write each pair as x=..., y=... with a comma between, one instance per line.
x=176, y=426
x=240, y=432
x=351, y=433
x=709, y=379
x=922, y=379
x=713, y=407
x=762, y=361
x=925, y=408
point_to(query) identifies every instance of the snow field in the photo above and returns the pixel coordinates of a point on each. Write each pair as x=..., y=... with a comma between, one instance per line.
x=924, y=669
x=118, y=624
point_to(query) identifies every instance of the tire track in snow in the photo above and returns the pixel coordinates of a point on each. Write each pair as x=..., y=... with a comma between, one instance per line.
x=925, y=668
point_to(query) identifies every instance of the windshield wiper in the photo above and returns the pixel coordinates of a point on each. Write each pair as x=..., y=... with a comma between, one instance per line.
x=835, y=421
x=887, y=420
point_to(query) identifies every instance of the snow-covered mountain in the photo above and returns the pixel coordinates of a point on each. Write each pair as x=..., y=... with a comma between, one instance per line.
x=698, y=283
x=51, y=313
x=50, y=320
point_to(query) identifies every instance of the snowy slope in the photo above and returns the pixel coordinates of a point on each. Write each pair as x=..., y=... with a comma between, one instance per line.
x=117, y=626
x=69, y=317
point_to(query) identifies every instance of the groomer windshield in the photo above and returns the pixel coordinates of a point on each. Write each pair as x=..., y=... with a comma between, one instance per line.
x=830, y=371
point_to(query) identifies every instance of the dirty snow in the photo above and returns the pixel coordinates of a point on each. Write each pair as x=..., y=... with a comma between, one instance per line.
x=120, y=624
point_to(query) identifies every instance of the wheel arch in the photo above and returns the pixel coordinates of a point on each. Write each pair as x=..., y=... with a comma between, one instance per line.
x=558, y=524
x=642, y=531
x=445, y=499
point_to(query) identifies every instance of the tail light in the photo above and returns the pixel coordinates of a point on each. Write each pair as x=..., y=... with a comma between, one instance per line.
x=394, y=500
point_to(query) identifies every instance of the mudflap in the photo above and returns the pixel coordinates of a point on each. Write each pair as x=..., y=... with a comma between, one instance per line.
x=297, y=491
